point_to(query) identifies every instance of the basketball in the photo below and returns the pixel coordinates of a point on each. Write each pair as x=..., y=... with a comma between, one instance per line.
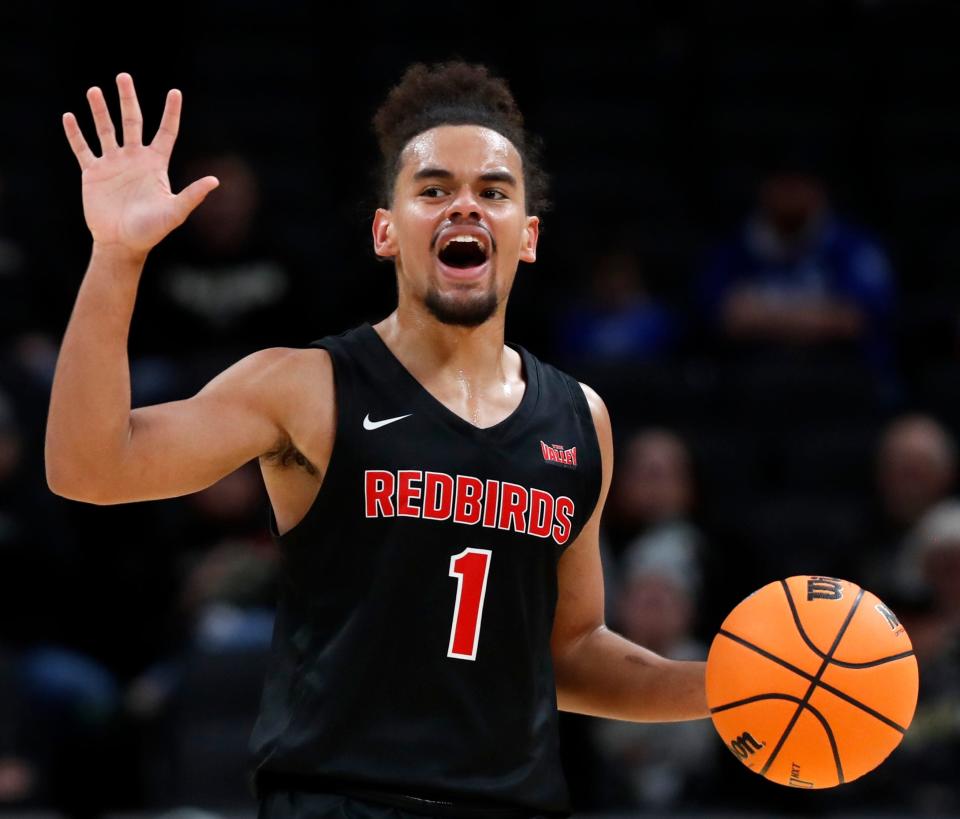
x=811, y=681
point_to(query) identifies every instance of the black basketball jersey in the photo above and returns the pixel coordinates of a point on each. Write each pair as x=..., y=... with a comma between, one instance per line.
x=411, y=650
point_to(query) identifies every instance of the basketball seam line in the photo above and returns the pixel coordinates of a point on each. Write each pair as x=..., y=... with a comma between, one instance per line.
x=809, y=678
x=802, y=705
x=798, y=624
x=872, y=663
x=813, y=685
x=813, y=647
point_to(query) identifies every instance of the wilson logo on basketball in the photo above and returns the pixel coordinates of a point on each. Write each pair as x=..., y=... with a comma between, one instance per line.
x=795, y=780
x=556, y=454
x=889, y=616
x=745, y=745
x=824, y=588
x=828, y=740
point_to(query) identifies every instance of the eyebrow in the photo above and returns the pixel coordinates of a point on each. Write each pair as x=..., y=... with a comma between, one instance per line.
x=443, y=173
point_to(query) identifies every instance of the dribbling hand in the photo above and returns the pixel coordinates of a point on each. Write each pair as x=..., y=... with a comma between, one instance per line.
x=127, y=201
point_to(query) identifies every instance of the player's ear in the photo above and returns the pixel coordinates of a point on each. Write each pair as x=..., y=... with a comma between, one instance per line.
x=528, y=240
x=384, y=238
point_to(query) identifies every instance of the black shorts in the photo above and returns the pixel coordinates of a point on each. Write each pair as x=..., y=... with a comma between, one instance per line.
x=301, y=805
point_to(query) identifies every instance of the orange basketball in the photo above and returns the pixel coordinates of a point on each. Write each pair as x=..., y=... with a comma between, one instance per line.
x=812, y=681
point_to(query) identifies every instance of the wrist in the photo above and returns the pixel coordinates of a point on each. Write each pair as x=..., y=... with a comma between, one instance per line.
x=117, y=254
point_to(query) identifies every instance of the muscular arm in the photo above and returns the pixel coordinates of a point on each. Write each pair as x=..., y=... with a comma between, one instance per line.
x=97, y=449
x=599, y=672
x=100, y=451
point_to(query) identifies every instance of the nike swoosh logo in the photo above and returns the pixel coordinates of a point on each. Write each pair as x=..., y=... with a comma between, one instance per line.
x=368, y=424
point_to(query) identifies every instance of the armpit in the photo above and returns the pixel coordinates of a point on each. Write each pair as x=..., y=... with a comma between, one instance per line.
x=285, y=454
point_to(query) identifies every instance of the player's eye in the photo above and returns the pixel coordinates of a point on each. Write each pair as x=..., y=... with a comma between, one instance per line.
x=432, y=192
x=494, y=193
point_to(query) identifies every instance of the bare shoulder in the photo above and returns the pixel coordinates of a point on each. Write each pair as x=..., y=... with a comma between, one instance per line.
x=598, y=409
x=272, y=365
x=297, y=368
x=276, y=376
x=601, y=422
x=301, y=386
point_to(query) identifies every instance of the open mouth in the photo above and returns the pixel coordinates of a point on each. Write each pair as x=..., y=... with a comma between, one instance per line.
x=463, y=252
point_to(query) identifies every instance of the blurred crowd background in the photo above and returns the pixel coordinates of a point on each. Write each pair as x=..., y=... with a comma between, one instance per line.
x=752, y=255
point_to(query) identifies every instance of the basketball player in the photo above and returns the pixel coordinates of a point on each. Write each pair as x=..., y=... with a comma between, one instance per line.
x=436, y=492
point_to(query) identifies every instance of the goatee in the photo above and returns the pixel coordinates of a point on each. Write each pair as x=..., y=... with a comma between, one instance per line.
x=462, y=313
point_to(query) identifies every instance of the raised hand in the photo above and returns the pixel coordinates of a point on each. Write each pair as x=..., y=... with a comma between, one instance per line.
x=127, y=201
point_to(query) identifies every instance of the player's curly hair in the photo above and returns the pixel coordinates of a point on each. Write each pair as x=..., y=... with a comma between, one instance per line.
x=454, y=93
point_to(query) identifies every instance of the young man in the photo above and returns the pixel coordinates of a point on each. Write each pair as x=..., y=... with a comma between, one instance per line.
x=436, y=492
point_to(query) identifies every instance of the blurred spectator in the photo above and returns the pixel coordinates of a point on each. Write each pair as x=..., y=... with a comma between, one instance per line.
x=654, y=503
x=929, y=606
x=61, y=739
x=220, y=286
x=798, y=275
x=17, y=775
x=15, y=301
x=650, y=500
x=653, y=489
x=929, y=562
x=35, y=541
x=916, y=469
x=658, y=602
x=222, y=616
x=656, y=608
x=619, y=319
x=228, y=575
x=16, y=781
x=27, y=353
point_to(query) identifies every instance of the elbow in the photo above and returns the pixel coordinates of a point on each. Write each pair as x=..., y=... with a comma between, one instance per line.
x=569, y=653
x=72, y=484
x=78, y=493
x=564, y=647
x=66, y=489
x=53, y=472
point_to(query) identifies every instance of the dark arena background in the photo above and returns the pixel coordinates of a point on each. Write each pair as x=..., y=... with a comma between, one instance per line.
x=752, y=255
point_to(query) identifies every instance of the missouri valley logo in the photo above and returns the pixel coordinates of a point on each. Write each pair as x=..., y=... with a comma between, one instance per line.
x=556, y=454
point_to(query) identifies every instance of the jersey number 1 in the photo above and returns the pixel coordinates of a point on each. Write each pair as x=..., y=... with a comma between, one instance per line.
x=471, y=568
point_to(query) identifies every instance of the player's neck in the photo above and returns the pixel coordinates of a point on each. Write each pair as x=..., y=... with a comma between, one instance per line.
x=427, y=346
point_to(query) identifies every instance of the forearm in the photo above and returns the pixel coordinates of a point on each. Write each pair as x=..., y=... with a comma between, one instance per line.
x=89, y=414
x=606, y=675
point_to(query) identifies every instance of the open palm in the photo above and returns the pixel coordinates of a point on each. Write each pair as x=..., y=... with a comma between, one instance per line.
x=127, y=199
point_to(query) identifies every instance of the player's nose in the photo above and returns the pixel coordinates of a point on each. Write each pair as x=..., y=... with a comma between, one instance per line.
x=464, y=203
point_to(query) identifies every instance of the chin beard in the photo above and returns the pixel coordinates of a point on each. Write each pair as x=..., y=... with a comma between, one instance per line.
x=462, y=313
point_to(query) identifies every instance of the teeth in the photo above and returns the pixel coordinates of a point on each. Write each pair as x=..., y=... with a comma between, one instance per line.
x=462, y=238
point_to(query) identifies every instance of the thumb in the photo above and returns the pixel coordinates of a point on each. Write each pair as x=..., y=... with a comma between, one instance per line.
x=194, y=194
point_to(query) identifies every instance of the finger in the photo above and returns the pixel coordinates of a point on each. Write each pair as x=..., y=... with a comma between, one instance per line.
x=79, y=145
x=194, y=194
x=130, y=115
x=169, y=124
x=102, y=121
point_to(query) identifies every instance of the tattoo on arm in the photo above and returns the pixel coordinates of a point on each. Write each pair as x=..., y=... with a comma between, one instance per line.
x=636, y=659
